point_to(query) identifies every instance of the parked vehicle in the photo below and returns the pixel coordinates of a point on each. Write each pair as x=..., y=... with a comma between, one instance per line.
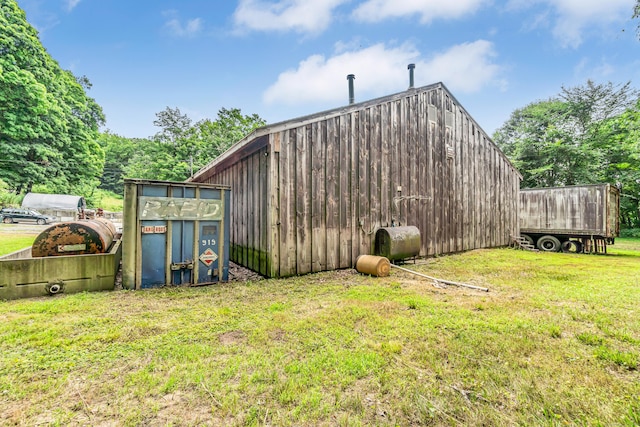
x=10, y=215
x=582, y=218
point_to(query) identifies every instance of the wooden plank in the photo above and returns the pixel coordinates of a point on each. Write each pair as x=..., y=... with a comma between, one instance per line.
x=302, y=197
x=246, y=213
x=405, y=169
x=318, y=198
x=395, y=161
x=467, y=185
x=333, y=194
x=499, y=199
x=439, y=174
x=422, y=173
x=385, y=165
x=495, y=186
x=354, y=185
x=459, y=183
x=242, y=199
x=447, y=166
x=346, y=220
x=363, y=183
x=374, y=168
x=273, y=269
x=477, y=210
x=431, y=179
x=485, y=192
x=264, y=212
x=251, y=214
x=287, y=265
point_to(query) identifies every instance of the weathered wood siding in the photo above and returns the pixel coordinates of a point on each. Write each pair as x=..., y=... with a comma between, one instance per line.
x=249, y=233
x=312, y=198
x=573, y=210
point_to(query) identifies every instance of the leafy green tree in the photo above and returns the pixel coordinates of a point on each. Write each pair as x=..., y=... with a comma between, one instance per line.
x=48, y=125
x=586, y=134
x=229, y=127
x=622, y=161
x=118, y=151
x=543, y=147
x=181, y=148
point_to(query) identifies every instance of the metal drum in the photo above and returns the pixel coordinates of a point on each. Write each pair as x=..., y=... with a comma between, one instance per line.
x=89, y=236
x=374, y=265
x=396, y=243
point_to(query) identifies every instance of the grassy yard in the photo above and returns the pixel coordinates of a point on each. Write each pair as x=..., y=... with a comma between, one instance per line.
x=556, y=341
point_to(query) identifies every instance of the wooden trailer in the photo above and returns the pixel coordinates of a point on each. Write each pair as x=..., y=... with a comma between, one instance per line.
x=576, y=218
x=308, y=194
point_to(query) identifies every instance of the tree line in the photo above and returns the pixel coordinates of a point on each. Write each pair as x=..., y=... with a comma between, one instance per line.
x=177, y=151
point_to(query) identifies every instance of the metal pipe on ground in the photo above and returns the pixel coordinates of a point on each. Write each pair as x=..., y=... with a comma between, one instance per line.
x=435, y=279
x=380, y=266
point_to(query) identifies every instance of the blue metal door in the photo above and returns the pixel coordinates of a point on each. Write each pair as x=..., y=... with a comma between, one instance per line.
x=182, y=259
x=209, y=255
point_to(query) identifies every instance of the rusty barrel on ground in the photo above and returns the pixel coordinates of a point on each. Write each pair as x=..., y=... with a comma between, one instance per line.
x=397, y=243
x=374, y=265
x=88, y=236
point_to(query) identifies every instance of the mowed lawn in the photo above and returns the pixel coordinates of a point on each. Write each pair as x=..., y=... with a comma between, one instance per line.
x=556, y=341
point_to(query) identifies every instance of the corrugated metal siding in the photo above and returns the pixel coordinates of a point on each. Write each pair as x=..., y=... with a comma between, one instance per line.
x=312, y=199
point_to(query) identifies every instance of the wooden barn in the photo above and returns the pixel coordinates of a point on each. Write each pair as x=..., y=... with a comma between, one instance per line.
x=308, y=194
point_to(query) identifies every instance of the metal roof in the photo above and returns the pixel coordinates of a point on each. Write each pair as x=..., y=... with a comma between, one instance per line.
x=53, y=201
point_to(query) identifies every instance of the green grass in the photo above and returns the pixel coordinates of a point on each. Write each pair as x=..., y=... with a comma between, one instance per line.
x=11, y=242
x=107, y=200
x=556, y=341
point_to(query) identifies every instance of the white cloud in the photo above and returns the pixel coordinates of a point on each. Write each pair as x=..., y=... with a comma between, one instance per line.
x=381, y=70
x=585, y=69
x=304, y=16
x=466, y=67
x=190, y=29
x=378, y=10
x=71, y=4
x=574, y=16
x=570, y=19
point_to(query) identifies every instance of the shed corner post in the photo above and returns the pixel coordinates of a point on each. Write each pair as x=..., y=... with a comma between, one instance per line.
x=129, y=235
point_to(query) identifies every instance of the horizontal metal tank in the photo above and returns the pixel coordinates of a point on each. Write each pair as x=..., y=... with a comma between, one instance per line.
x=396, y=243
x=88, y=236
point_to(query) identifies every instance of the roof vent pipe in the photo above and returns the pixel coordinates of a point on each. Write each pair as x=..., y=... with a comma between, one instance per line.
x=410, y=67
x=351, y=78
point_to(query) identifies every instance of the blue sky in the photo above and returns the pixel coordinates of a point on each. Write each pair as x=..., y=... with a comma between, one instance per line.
x=282, y=59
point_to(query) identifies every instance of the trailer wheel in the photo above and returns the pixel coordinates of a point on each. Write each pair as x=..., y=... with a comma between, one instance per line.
x=572, y=246
x=548, y=244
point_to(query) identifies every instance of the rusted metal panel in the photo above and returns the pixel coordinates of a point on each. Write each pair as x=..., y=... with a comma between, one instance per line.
x=589, y=210
x=90, y=236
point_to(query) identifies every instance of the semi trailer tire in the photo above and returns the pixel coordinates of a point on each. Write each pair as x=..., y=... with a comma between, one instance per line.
x=549, y=244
